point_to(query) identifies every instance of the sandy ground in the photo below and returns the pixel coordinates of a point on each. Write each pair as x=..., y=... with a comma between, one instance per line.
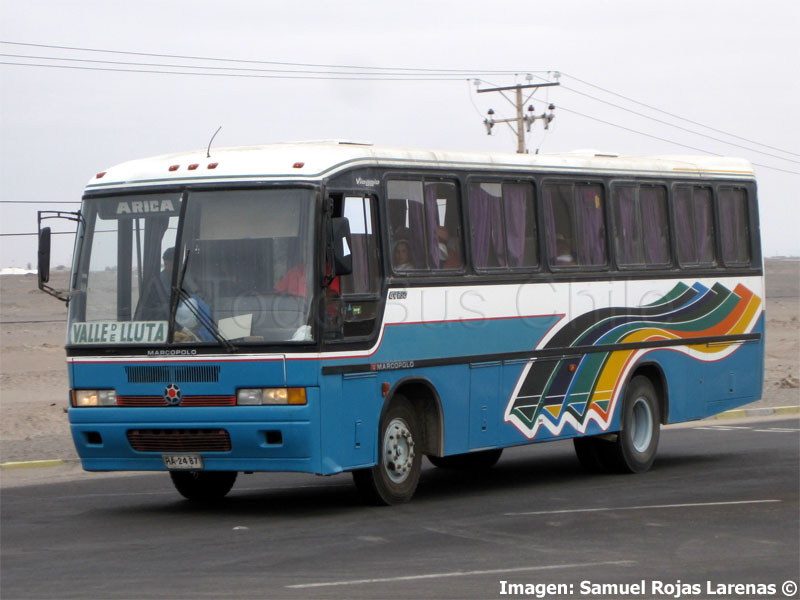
x=33, y=375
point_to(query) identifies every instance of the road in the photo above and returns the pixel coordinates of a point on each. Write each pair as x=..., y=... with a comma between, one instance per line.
x=720, y=505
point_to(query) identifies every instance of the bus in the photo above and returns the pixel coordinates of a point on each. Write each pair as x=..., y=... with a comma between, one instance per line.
x=334, y=306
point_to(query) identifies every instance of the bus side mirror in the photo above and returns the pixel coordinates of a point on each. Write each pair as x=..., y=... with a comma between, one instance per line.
x=44, y=256
x=342, y=254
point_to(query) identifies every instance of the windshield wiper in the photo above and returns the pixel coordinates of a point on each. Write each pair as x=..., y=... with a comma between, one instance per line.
x=180, y=295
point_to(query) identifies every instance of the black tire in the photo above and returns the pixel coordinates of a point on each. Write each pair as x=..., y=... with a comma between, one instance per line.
x=203, y=486
x=477, y=461
x=394, y=479
x=637, y=442
x=590, y=454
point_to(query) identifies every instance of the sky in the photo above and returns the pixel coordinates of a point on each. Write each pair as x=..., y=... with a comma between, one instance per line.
x=637, y=77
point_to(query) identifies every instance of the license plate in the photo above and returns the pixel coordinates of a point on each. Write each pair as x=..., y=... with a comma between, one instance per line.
x=188, y=462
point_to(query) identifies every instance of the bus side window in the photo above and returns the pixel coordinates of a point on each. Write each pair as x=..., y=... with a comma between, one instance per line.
x=694, y=224
x=559, y=222
x=641, y=225
x=734, y=226
x=575, y=222
x=503, y=225
x=424, y=225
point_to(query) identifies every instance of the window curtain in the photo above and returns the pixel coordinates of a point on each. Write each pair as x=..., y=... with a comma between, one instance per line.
x=704, y=225
x=515, y=204
x=480, y=202
x=655, y=228
x=431, y=232
x=416, y=226
x=591, y=230
x=550, y=224
x=625, y=213
x=683, y=223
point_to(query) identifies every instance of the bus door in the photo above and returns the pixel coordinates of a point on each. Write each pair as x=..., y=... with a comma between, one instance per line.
x=350, y=426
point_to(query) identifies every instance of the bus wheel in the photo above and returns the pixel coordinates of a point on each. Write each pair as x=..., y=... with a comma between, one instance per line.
x=590, y=453
x=637, y=442
x=477, y=461
x=394, y=479
x=203, y=486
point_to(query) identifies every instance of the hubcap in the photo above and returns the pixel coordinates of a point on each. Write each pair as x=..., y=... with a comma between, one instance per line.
x=641, y=425
x=398, y=447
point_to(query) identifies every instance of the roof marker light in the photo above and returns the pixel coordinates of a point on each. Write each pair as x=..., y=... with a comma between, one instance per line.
x=193, y=166
x=174, y=167
x=100, y=175
x=299, y=165
x=212, y=165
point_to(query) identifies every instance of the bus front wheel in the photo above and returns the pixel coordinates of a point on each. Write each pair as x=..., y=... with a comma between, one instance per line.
x=475, y=461
x=203, y=486
x=394, y=479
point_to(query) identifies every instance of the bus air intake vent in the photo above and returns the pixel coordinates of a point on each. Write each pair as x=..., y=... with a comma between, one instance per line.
x=179, y=440
x=147, y=401
x=173, y=374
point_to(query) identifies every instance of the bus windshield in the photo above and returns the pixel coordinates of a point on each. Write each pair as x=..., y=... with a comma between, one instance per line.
x=230, y=265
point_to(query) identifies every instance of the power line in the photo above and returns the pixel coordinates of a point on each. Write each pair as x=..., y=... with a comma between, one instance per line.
x=36, y=233
x=661, y=139
x=680, y=127
x=267, y=62
x=371, y=74
x=353, y=73
x=677, y=116
x=40, y=202
x=241, y=75
x=31, y=322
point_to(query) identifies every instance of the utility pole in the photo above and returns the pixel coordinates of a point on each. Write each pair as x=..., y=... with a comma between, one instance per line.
x=520, y=119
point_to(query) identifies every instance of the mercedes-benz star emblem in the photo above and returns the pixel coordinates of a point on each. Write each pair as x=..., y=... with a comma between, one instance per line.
x=172, y=394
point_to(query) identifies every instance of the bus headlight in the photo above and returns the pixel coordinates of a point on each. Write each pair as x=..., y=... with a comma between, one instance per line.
x=82, y=398
x=261, y=396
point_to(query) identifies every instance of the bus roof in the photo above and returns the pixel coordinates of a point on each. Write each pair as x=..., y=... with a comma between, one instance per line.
x=313, y=161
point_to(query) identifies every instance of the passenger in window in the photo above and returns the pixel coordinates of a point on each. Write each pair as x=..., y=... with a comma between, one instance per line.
x=402, y=256
x=294, y=281
x=166, y=273
x=448, y=254
x=564, y=254
x=193, y=314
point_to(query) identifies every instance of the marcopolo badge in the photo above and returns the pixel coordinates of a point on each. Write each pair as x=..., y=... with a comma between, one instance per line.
x=172, y=394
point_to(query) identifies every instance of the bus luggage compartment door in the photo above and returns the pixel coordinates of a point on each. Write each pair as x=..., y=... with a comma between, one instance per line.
x=484, y=412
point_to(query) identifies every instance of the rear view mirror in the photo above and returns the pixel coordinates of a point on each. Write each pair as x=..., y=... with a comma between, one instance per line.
x=44, y=256
x=340, y=240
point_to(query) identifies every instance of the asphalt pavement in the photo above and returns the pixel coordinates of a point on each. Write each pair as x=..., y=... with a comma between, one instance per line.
x=717, y=515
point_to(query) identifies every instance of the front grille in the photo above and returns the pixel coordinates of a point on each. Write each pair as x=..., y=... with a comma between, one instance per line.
x=173, y=374
x=179, y=440
x=139, y=401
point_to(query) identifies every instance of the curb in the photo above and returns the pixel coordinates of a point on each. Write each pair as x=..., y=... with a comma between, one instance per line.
x=28, y=464
x=739, y=413
x=32, y=464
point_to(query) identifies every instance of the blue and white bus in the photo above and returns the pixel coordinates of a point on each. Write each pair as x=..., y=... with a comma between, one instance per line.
x=332, y=306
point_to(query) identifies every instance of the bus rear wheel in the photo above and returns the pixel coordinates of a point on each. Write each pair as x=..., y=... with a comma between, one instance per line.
x=635, y=446
x=203, y=486
x=394, y=479
x=637, y=442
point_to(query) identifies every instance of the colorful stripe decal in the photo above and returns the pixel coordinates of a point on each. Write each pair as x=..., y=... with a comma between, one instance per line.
x=579, y=389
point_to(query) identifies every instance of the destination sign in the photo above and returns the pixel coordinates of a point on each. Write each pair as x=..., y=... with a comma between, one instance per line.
x=128, y=207
x=114, y=332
